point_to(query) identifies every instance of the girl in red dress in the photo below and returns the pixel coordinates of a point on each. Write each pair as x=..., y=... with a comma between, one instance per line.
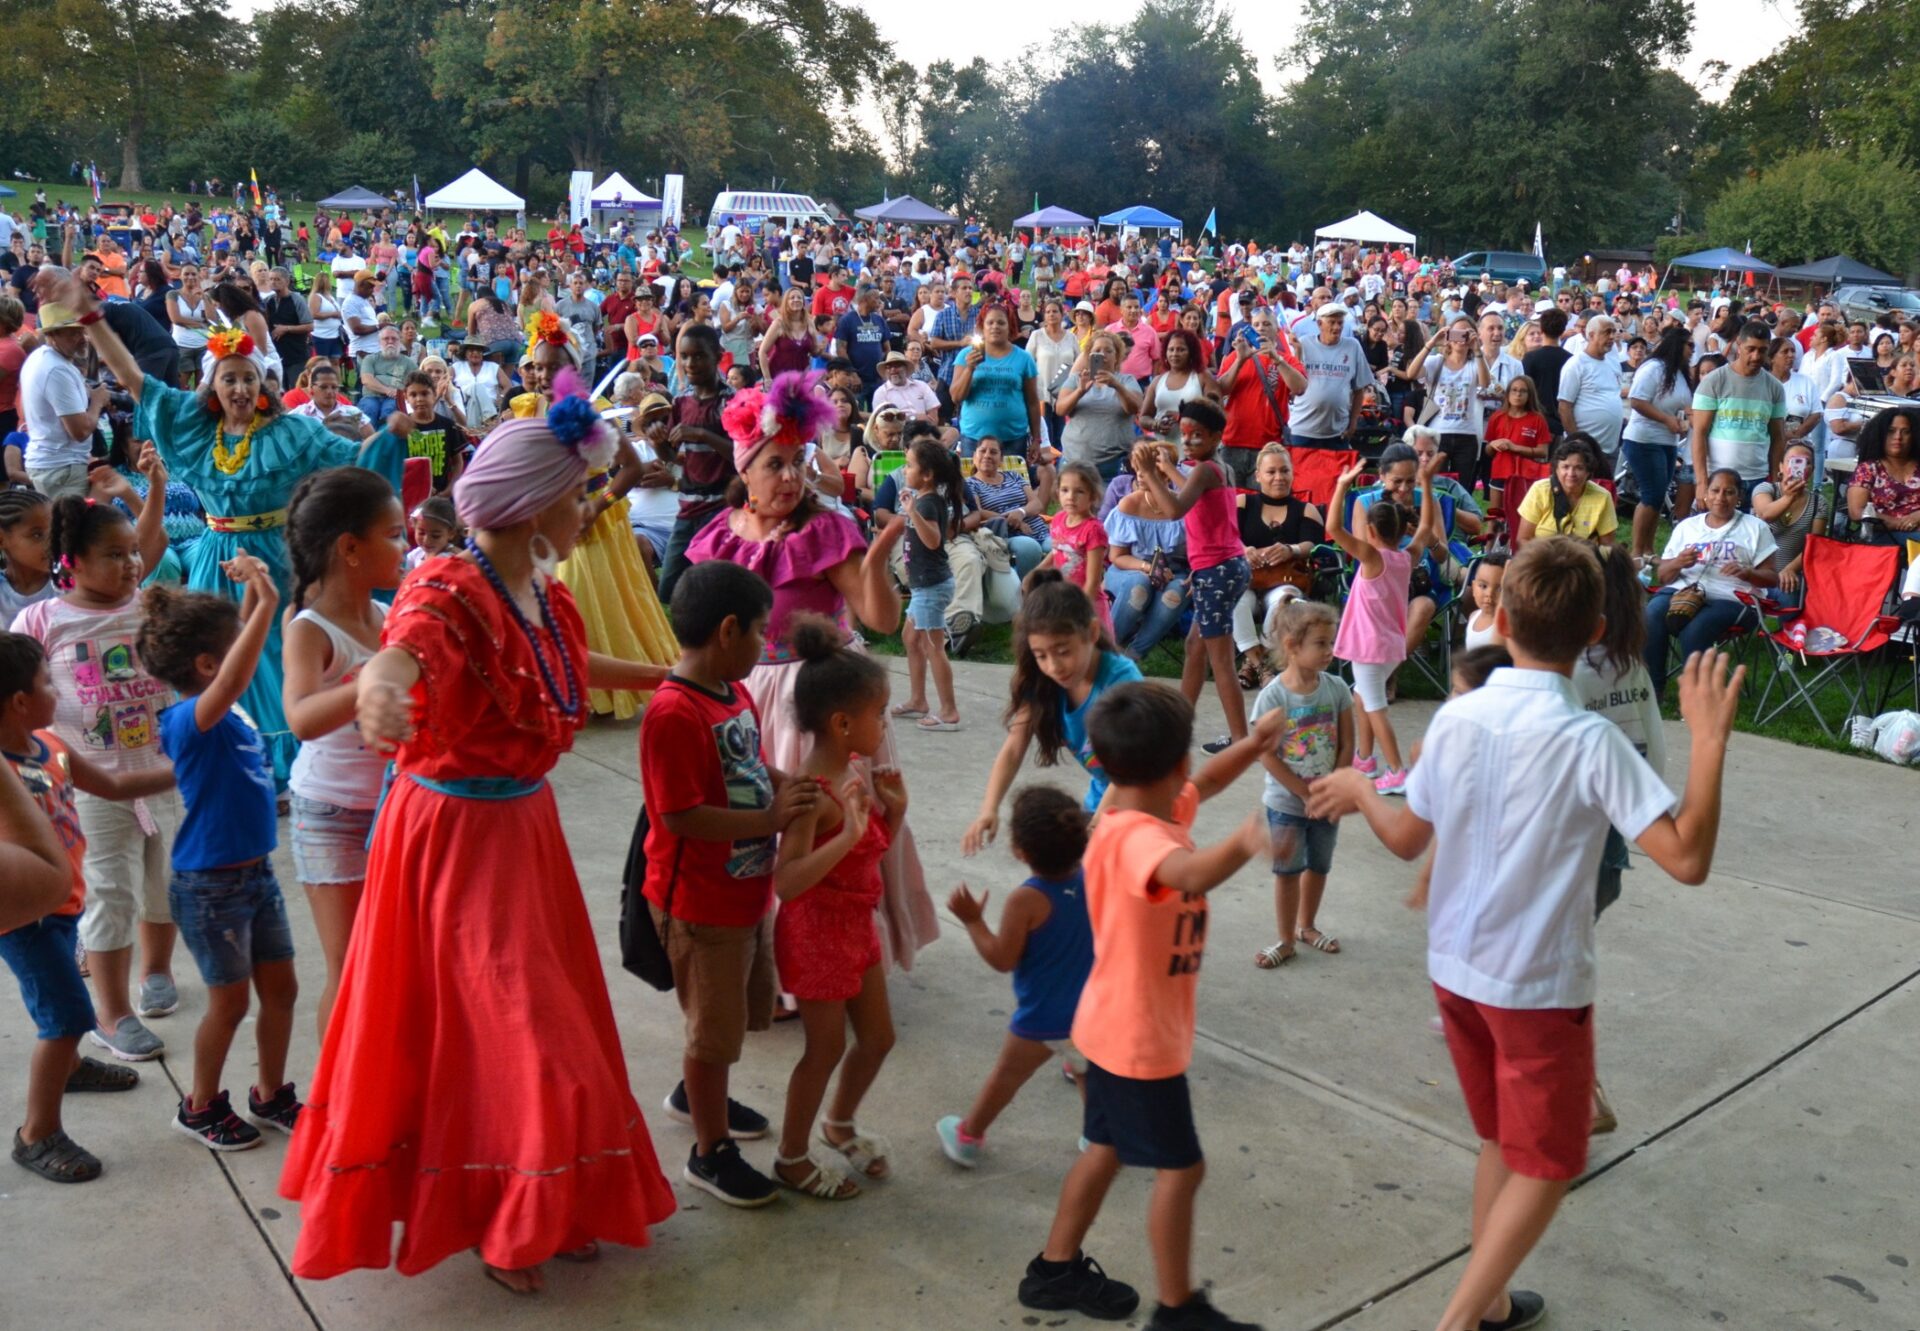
x=825, y=941
x=471, y=1086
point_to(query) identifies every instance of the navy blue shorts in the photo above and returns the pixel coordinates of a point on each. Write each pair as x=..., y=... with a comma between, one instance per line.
x=1149, y=1124
x=40, y=955
x=231, y=920
x=1216, y=591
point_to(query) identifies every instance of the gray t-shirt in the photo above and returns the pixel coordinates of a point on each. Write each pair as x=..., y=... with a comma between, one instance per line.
x=1311, y=742
x=584, y=315
x=1100, y=429
x=1333, y=374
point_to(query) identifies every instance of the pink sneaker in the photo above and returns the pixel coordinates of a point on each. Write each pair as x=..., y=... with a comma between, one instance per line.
x=1366, y=766
x=1394, y=782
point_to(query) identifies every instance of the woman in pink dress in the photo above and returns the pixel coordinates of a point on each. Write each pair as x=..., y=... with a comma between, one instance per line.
x=816, y=560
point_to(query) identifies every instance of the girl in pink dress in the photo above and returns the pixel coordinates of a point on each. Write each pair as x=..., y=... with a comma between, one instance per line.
x=828, y=881
x=1079, y=539
x=1373, y=628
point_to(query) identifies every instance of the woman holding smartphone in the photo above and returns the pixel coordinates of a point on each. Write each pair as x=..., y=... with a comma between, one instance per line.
x=1792, y=506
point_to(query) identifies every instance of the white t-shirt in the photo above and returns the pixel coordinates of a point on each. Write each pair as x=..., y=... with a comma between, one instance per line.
x=51, y=387
x=1675, y=400
x=1455, y=394
x=1510, y=911
x=1592, y=385
x=1745, y=540
x=1626, y=699
x=359, y=307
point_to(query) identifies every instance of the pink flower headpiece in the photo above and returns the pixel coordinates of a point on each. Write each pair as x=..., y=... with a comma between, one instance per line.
x=792, y=411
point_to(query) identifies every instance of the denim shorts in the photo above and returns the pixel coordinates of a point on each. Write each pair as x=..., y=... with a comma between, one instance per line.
x=231, y=920
x=329, y=842
x=1652, y=466
x=1310, y=849
x=927, y=606
x=1216, y=591
x=40, y=955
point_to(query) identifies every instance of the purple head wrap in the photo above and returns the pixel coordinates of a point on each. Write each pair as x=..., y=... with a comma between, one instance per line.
x=526, y=464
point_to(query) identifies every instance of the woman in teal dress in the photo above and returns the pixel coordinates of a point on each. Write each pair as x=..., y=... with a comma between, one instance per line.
x=232, y=442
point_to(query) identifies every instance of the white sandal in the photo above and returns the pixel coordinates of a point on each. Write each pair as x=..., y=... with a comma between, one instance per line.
x=1273, y=958
x=827, y=1184
x=866, y=1152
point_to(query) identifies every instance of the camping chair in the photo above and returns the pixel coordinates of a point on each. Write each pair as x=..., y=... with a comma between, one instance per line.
x=1316, y=469
x=1846, y=587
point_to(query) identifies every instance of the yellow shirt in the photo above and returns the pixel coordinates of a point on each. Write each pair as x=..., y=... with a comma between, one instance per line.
x=1591, y=518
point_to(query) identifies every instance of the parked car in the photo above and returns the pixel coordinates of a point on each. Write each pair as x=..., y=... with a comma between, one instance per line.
x=1501, y=265
x=1869, y=303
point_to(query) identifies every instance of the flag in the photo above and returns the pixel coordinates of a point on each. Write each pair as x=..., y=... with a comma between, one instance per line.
x=1036, y=201
x=253, y=176
x=1539, y=246
x=1749, y=245
x=416, y=192
x=93, y=179
x=1212, y=226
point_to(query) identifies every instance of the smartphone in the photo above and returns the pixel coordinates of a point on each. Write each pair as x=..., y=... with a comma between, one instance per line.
x=1097, y=362
x=1797, y=467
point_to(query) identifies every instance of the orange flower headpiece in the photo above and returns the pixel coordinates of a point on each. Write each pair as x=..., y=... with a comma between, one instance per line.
x=225, y=342
x=549, y=327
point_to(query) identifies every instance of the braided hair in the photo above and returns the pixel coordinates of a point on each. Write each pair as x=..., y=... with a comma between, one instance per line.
x=326, y=505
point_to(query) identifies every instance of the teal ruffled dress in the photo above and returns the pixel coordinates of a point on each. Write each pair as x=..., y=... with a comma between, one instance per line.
x=283, y=451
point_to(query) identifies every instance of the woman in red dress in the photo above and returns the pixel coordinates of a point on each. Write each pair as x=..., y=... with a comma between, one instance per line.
x=471, y=1085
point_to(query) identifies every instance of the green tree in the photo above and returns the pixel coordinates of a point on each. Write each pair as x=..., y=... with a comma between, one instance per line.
x=1818, y=203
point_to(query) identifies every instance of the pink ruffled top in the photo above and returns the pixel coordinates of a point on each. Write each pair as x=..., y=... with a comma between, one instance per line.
x=794, y=564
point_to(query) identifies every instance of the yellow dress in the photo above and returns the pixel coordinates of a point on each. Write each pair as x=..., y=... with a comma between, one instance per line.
x=616, y=599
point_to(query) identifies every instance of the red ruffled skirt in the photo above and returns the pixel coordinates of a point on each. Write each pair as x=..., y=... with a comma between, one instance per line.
x=471, y=1087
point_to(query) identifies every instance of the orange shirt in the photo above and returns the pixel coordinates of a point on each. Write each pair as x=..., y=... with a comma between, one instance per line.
x=1136, y=1012
x=48, y=778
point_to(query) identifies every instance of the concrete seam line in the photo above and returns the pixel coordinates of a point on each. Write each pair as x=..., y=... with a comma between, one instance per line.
x=253, y=1217
x=1804, y=894
x=1634, y=1150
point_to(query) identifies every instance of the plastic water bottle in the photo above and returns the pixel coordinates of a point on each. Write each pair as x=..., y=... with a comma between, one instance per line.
x=1797, y=635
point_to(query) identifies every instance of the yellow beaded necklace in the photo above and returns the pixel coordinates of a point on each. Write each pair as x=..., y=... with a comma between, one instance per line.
x=230, y=460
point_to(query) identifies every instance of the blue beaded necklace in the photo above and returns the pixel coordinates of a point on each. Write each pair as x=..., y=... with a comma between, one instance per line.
x=573, y=699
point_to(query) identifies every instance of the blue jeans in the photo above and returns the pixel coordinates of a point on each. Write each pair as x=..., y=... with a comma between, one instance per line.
x=378, y=408
x=1141, y=618
x=1707, y=627
x=1652, y=468
x=1027, y=554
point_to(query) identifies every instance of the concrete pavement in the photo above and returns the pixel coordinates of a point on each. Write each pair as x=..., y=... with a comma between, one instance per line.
x=1755, y=1034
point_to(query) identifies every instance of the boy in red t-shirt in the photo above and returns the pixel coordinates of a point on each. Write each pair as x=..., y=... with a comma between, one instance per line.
x=41, y=952
x=1146, y=887
x=714, y=808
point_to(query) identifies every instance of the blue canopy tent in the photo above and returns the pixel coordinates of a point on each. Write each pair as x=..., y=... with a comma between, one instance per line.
x=6, y=193
x=1726, y=259
x=1141, y=217
x=906, y=209
x=1836, y=270
x=1053, y=218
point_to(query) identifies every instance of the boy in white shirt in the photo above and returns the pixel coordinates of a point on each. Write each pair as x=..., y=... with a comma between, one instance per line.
x=1511, y=906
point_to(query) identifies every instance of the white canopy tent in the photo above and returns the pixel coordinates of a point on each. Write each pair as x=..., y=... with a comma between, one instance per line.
x=616, y=191
x=1368, y=228
x=475, y=192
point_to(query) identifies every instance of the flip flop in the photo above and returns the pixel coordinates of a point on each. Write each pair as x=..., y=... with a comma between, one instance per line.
x=932, y=722
x=905, y=712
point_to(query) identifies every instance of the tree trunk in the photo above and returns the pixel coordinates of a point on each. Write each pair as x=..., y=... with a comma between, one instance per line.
x=130, y=153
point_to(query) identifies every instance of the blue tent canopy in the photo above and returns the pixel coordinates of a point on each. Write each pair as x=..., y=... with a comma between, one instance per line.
x=1837, y=269
x=6, y=193
x=1725, y=258
x=906, y=208
x=1140, y=215
x=1053, y=216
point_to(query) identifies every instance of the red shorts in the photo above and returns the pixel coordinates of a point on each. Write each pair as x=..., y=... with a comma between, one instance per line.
x=1527, y=1075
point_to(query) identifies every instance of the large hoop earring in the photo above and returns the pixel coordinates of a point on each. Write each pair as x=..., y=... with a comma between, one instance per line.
x=544, y=556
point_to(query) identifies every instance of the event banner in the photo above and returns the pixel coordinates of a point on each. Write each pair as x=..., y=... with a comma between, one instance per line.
x=579, y=197
x=673, y=193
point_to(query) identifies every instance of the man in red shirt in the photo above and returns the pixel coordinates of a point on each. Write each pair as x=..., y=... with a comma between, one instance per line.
x=836, y=297
x=1259, y=383
x=614, y=311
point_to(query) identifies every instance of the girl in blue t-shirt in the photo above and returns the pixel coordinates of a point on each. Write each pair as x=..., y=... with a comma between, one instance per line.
x=224, y=897
x=1064, y=660
x=1046, y=940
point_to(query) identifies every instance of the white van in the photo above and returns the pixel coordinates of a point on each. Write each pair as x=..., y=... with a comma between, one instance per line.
x=751, y=209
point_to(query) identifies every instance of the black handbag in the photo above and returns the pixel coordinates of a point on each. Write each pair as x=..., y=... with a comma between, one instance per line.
x=643, y=948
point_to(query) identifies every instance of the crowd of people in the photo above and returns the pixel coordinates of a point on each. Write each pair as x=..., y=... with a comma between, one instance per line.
x=601, y=487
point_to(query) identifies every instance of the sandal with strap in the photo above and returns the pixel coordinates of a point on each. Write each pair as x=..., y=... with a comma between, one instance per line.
x=57, y=1158
x=828, y=1185
x=1320, y=942
x=1273, y=958
x=866, y=1152
x=90, y=1074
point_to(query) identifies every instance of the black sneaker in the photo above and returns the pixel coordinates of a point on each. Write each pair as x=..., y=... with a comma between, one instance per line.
x=726, y=1174
x=1080, y=1285
x=281, y=1112
x=217, y=1127
x=1528, y=1308
x=1219, y=745
x=1196, y=1314
x=743, y=1124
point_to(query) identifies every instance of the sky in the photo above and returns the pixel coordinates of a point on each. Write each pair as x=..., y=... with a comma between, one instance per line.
x=1737, y=32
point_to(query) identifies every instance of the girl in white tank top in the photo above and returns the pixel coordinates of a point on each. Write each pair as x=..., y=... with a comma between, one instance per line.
x=346, y=536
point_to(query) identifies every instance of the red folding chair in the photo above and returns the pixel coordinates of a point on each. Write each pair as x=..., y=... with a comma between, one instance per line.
x=1846, y=587
x=1315, y=470
x=416, y=482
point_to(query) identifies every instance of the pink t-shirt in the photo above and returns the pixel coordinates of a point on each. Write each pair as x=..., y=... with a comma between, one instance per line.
x=1071, y=544
x=1213, y=525
x=1373, y=628
x=108, y=708
x=1145, y=351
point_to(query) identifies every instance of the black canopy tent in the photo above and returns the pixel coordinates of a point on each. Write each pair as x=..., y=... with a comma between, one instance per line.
x=356, y=197
x=1836, y=270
